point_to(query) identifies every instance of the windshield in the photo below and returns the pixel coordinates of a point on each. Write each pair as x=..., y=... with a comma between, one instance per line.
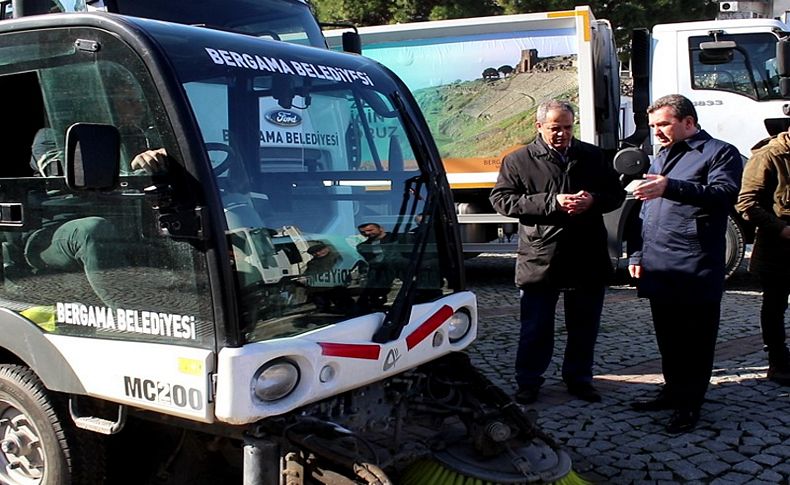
x=328, y=210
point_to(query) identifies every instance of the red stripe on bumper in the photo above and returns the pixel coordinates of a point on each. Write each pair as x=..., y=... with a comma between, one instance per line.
x=434, y=321
x=351, y=351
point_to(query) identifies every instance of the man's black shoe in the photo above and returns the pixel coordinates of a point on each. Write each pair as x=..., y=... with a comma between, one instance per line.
x=780, y=375
x=584, y=391
x=683, y=420
x=527, y=395
x=659, y=403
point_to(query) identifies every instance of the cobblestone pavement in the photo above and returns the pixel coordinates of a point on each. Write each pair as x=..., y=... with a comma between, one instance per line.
x=743, y=435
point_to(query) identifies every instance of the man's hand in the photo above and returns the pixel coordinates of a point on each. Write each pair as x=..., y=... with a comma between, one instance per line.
x=575, y=203
x=635, y=270
x=652, y=188
x=785, y=234
x=152, y=161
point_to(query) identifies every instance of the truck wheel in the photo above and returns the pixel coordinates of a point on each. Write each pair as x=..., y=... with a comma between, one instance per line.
x=736, y=247
x=37, y=446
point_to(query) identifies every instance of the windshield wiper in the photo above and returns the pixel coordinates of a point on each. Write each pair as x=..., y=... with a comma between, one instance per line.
x=397, y=317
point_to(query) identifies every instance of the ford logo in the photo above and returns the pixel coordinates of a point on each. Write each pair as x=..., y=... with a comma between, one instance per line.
x=283, y=117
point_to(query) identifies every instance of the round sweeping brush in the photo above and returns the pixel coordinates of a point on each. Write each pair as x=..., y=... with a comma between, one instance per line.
x=430, y=472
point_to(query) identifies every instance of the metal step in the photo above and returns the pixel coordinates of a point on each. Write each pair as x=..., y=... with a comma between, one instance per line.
x=95, y=423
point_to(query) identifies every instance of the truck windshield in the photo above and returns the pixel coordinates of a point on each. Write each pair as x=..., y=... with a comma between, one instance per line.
x=328, y=209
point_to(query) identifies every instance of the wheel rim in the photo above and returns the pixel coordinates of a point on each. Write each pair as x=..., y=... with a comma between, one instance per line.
x=21, y=456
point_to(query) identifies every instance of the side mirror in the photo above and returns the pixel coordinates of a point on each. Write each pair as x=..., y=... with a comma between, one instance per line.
x=717, y=52
x=92, y=156
x=783, y=58
x=631, y=162
x=352, y=42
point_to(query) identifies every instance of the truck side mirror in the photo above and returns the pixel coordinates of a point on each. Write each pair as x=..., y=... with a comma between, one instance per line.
x=783, y=58
x=352, y=42
x=92, y=156
x=631, y=162
x=717, y=52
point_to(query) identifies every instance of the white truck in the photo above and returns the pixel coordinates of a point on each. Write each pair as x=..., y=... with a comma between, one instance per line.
x=479, y=81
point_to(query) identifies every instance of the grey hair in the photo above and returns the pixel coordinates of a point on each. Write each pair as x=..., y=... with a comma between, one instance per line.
x=680, y=105
x=553, y=105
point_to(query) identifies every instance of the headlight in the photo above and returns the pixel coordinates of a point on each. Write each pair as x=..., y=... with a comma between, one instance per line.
x=275, y=380
x=459, y=326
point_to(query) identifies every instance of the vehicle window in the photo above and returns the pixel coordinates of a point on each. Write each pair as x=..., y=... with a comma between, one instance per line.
x=749, y=69
x=327, y=208
x=95, y=264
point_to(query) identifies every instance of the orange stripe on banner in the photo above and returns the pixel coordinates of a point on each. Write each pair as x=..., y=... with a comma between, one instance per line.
x=489, y=185
x=585, y=14
x=477, y=164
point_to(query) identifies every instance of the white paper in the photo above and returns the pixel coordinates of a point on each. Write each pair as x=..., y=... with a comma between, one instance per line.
x=633, y=185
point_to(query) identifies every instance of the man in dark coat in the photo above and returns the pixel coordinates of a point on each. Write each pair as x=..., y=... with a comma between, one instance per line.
x=765, y=201
x=559, y=188
x=689, y=190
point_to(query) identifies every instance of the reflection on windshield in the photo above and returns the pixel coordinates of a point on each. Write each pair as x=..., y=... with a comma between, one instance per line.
x=326, y=207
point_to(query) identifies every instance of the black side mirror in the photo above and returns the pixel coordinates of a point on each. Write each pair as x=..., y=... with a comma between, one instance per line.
x=352, y=42
x=631, y=162
x=717, y=52
x=92, y=156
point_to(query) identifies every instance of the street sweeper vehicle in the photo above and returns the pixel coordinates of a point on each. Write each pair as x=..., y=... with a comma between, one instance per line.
x=479, y=81
x=186, y=295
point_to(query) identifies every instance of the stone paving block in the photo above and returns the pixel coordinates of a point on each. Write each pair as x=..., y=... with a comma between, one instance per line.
x=749, y=451
x=732, y=478
x=771, y=476
x=782, y=451
x=633, y=475
x=748, y=466
x=714, y=445
x=714, y=467
x=687, y=470
x=731, y=457
x=753, y=441
x=660, y=475
x=702, y=457
x=688, y=451
x=766, y=459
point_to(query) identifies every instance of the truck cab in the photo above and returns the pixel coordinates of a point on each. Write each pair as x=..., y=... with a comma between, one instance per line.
x=729, y=67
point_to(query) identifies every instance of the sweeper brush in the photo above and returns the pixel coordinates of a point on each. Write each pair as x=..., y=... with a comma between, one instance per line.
x=443, y=423
x=433, y=473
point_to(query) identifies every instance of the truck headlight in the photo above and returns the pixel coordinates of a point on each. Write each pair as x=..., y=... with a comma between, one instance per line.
x=459, y=325
x=275, y=380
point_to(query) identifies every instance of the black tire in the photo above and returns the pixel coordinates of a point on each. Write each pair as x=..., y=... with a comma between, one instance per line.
x=37, y=435
x=736, y=247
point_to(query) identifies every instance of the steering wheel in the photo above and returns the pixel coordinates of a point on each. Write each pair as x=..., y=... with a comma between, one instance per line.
x=222, y=166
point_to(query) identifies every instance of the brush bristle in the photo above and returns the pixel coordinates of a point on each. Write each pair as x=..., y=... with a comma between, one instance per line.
x=427, y=472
